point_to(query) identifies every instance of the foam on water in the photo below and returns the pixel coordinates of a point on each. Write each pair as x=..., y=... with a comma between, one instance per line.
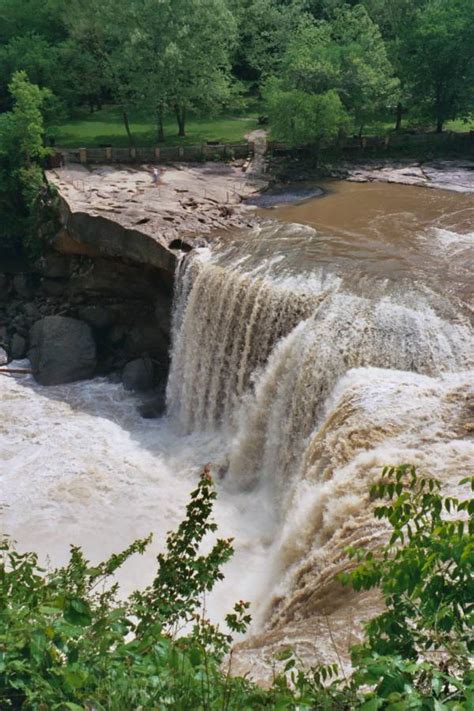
x=302, y=363
x=80, y=466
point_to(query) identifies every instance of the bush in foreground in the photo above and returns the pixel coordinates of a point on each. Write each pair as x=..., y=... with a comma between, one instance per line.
x=68, y=643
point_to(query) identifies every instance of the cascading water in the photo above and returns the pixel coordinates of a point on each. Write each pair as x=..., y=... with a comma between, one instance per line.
x=318, y=377
x=304, y=360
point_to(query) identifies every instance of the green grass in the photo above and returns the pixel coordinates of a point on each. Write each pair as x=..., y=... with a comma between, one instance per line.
x=386, y=124
x=106, y=127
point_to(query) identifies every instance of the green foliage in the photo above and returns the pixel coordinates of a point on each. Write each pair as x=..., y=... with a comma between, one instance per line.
x=334, y=73
x=173, y=58
x=69, y=642
x=419, y=647
x=22, y=151
x=299, y=117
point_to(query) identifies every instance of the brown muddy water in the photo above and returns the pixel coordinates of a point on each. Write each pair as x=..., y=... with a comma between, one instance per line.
x=309, y=352
x=387, y=231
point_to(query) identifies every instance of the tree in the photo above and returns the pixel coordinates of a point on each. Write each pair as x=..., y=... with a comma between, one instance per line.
x=265, y=27
x=86, y=51
x=367, y=84
x=30, y=33
x=341, y=67
x=21, y=153
x=185, y=48
x=438, y=59
x=300, y=117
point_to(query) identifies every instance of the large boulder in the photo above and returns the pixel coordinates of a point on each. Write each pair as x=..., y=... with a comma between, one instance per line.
x=138, y=375
x=62, y=350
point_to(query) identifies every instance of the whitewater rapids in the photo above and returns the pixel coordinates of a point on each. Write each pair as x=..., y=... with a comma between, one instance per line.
x=304, y=360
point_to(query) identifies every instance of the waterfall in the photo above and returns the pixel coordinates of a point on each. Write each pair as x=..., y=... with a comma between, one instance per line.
x=304, y=359
x=261, y=357
x=316, y=388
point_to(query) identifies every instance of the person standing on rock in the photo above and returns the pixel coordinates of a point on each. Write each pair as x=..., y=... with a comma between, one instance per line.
x=156, y=176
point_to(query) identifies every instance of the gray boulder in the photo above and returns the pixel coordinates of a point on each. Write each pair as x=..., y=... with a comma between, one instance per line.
x=138, y=375
x=3, y=357
x=62, y=350
x=95, y=315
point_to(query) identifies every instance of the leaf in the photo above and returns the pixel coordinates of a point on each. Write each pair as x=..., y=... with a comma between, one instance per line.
x=372, y=705
x=77, y=612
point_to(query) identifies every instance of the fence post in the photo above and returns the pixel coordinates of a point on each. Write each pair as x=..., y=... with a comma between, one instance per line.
x=133, y=152
x=108, y=152
x=83, y=155
x=180, y=151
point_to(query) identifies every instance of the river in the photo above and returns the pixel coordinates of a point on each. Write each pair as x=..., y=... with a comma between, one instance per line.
x=307, y=353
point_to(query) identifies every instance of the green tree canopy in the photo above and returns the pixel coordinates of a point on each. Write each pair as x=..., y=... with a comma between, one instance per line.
x=21, y=152
x=185, y=51
x=437, y=59
x=341, y=67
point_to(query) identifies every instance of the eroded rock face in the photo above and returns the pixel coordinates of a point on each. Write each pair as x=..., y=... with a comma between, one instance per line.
x=62, y=350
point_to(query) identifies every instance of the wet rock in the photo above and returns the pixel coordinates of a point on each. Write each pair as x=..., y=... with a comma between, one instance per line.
x=117, y=334
x=62, y=350
x=146, y=336
x=31, y=311
x=163, y=310
x=20, y=324
x=18, y=347
x=3, y=356
x=53, y=287
x=138, y=375
x=22, y=286
x=96, y=316
x=55, y=266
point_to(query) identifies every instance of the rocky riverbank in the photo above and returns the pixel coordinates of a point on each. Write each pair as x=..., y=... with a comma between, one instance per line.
x=106, y=275
x=454, y=175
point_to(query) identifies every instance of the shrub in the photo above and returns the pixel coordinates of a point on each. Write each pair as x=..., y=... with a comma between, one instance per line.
x=69, y=643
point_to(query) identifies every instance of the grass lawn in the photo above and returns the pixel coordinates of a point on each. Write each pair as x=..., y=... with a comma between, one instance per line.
x=386, y=124
x=106, y=127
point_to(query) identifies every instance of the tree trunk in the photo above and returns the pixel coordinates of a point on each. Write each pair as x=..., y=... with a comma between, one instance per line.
x=160, y=136
x=181, y=118
x=439, y=124
x=398, y=123
x=126, y=123
x=91, y=104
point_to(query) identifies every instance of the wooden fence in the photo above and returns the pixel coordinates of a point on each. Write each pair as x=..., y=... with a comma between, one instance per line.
x=458, y=142
x=462, y=143
x=109, y=154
